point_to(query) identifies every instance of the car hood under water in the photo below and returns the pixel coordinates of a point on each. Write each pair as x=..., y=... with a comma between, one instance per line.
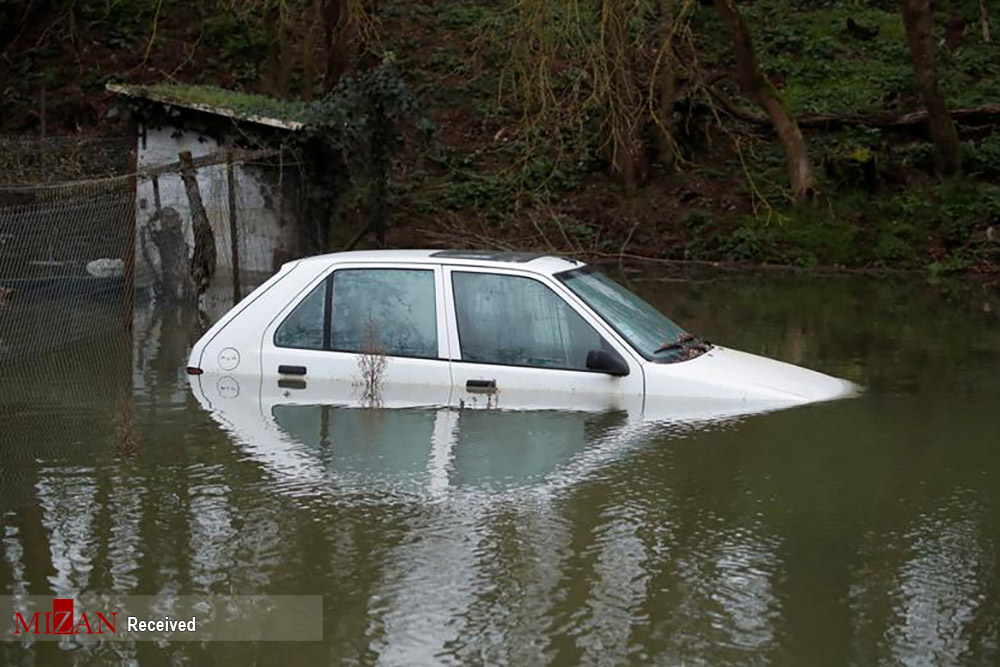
x=731, y=374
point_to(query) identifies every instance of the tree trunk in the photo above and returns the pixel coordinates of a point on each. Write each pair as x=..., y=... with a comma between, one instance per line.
x=984, y=20
x=203, y=257
x=954, y=28
x=272, y=63
x=666, y=84
x=756, y=86
x=622, y=99
x=14, y=16
x=378, y=179
x=310, y=67
x=919, y=23
x=337, y=32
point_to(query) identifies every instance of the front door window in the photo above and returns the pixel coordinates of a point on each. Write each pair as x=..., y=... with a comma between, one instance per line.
x=518, y=321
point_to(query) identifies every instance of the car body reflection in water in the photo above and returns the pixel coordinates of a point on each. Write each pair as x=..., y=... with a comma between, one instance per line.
x=460, y=471
x=322, y=439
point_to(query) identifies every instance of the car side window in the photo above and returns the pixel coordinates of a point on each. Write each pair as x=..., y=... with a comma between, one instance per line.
x=389, y=311
x=519, y=321
x=303, y=328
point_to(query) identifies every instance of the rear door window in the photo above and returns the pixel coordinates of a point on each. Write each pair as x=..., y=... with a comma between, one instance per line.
x=388, y=311
x=383, y=311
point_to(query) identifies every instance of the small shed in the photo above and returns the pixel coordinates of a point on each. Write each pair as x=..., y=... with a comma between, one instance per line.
x=230, y=150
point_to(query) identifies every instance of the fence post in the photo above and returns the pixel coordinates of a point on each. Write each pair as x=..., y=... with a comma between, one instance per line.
x=234, y=239
x=128, y=264
x=203, y=257
x=157, y=207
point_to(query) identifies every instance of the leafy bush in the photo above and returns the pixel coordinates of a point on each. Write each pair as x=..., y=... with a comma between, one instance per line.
x=983, y=157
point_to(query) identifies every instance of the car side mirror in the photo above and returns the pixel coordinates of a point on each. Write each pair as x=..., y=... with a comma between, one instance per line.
x=607, y=361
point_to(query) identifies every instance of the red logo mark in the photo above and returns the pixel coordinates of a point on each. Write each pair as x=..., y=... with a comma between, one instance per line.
x=62, y=621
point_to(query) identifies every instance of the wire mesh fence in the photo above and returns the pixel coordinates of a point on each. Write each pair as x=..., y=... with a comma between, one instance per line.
x=32, y=160
x=100, y=273
x=235, y=213
x=62, y=251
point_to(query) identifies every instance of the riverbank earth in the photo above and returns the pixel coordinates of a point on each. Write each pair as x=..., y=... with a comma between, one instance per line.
x=492, y=176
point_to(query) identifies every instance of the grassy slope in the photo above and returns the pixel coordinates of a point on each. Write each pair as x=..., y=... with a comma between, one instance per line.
x=725, y=204
x=486, y=181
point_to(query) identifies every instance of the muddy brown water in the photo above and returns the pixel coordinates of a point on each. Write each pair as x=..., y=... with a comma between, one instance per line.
x=864, y=531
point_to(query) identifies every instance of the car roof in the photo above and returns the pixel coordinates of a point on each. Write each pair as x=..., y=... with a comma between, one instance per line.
x=536, y=262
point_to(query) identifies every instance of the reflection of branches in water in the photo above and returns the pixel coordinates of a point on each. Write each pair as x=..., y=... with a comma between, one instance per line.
x=167, y=333
x=123, y=418
x=123, y=424
x=371, y=367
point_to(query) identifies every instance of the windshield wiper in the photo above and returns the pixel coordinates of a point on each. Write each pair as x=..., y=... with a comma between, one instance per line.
x=692, y=345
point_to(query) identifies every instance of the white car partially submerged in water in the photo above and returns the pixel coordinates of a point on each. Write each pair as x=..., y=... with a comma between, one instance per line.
x=469, y=329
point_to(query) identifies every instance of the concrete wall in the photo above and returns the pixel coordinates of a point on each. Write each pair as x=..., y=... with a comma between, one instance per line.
x=266, y=212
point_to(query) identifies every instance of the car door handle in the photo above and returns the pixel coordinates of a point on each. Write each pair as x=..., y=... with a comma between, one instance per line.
x=481, y=386
x=291, y=370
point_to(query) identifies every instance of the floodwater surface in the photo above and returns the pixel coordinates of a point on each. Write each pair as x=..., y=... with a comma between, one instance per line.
x=862, y=531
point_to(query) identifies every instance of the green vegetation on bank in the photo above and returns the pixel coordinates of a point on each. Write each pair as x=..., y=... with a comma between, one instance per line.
x=520, y=154
x=880, y=204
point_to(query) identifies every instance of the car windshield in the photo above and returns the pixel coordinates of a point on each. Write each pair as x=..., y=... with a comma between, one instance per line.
x=648, y=330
